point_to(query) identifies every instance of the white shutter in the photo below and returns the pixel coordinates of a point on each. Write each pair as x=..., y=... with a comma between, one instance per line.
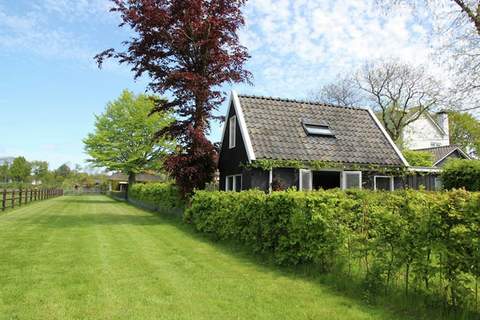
x=232, y=132
x=352, y=180
x=305, y=180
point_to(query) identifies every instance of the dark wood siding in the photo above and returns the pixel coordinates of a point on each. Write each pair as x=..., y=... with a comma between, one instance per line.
x=231, y=160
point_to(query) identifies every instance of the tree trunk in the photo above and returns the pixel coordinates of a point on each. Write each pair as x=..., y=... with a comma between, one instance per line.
x=131, y=182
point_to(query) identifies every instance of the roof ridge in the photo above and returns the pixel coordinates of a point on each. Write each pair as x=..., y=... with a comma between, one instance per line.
x=439, y=147
x=299, y=101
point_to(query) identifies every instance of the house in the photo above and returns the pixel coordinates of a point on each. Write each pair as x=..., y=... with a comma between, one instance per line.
x=269, y=143
x=119, y=181
x=430, y=133
x=442, y=154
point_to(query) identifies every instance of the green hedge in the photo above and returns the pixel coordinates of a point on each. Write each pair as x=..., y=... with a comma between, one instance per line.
x=462, y=174
x=164, y=195
x=426, y=241
x=419, y=158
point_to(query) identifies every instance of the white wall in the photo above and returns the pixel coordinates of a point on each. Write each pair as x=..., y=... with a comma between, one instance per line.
x=423, y=134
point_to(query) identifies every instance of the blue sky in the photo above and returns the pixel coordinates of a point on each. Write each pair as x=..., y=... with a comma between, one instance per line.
x=51, y=87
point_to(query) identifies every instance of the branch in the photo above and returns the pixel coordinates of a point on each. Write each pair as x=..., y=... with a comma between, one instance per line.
x=475, y=18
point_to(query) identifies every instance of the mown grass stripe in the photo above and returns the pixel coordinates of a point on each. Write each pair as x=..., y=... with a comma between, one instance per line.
x=94, y=258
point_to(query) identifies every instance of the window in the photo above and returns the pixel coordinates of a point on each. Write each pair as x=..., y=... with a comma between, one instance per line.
x=232, y=132
x=317, y=128
x=352, y=180
x=435, y=144
x=305, y=178
x=383, y=183
x=233, y=183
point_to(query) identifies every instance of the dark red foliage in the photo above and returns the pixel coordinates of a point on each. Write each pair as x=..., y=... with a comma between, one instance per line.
x=196, y=166
x=189, y=48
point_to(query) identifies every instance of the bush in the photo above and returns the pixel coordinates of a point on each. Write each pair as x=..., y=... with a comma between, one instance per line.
x=164, y=195
x=418, y=158
x=419, y=237
x=462, y=174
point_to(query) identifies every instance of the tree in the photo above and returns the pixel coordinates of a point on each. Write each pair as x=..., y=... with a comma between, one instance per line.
x=124, y=136
x=189, y=49
x=465, y=132
x=20, y=169
x=39, y=170
x=343, y=92
x=457, y=22
x=63, y=171
x=4, y=172
x=399, y=93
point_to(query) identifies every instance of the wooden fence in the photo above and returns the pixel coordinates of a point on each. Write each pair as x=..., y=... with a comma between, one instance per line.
x=17, y=198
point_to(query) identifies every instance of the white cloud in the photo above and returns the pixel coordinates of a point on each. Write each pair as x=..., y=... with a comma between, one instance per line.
x=75, y=10
x=31, y=32
x=298, y=44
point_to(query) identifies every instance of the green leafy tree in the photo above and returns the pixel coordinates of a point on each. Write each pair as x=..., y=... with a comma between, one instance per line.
x=465, y=131
x=63, y=171
x=20, y=169
x=4, y=173
x=40, y=170
x=124, y=136
x=418, y=158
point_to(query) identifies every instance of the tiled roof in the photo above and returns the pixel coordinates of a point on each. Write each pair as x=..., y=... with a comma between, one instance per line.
x=441, y=152
x=276, y=132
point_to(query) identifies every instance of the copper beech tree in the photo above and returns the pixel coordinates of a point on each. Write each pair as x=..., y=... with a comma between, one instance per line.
x=189, y=49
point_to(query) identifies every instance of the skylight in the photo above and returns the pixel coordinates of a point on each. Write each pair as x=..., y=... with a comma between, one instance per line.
x=317, y=129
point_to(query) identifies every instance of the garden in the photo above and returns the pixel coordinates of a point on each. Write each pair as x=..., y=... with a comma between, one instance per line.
x=415, y=247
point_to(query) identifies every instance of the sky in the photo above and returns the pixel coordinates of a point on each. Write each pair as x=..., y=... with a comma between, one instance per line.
x=51, y=88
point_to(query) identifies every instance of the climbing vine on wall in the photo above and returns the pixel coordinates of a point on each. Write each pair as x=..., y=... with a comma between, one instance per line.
x=269, y=164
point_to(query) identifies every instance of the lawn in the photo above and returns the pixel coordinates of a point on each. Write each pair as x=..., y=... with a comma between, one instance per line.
x=91, y=257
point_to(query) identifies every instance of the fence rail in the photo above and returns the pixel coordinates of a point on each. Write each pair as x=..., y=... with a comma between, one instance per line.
x=17, y=198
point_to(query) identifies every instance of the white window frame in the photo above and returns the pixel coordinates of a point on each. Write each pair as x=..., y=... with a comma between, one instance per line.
x=235, y=177
x=300, y=180
x=344, y=178
x=232, y=132
x=392, y=182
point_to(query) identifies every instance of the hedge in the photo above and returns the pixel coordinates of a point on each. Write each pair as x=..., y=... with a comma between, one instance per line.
x=419, y=158
x=159, y=195
x=426, y=241
x=462, y=174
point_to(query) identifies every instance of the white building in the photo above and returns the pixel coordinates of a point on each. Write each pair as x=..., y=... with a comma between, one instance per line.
x=429, y=131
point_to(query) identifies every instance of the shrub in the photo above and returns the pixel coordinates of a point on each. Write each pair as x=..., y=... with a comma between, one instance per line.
x=419, y=158
x=462, y=174
x=163, y=194
x=420, y=237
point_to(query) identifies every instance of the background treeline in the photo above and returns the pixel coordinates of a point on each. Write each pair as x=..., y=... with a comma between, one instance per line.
x=20, y=173
x=409, y=243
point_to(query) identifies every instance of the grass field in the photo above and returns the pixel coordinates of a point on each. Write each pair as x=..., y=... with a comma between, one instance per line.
x=94, y=258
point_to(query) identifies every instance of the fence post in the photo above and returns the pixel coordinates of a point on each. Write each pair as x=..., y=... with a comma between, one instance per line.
x=31, y=195
x=13, y=199
x=20, y=197
x=4, y=199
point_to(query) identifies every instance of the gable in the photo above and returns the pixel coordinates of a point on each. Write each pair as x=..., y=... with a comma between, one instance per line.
x=231, y=158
